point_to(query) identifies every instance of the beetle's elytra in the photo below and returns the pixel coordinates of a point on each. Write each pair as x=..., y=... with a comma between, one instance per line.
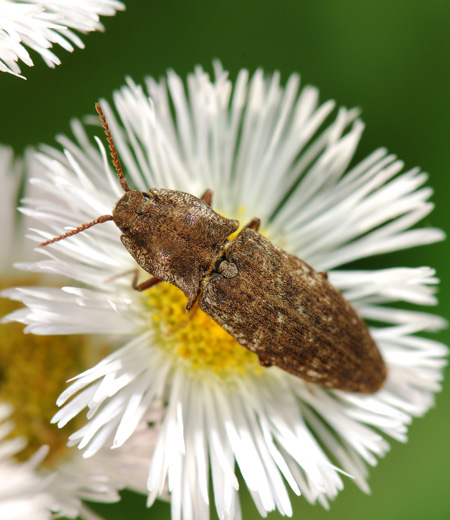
x=271, y=302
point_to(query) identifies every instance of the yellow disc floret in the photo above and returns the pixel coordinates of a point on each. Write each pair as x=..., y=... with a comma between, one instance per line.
x=33, y=372
x=197, y=341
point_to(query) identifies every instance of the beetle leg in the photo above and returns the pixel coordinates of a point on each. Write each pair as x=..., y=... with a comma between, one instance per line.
x=120, y=275
x=207, y=197
x=254, y=224
x=144, y=285
x=264, y=362
x=192, y=312
x=138, y=287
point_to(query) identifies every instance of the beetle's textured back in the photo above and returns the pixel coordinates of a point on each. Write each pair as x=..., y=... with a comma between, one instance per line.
x=173, y=235
x=291, y=316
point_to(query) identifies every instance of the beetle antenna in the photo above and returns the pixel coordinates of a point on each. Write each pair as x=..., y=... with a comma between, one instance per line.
x=79, y=229
x=112, y=147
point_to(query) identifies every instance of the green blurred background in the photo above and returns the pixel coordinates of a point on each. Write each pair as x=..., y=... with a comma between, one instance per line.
x=389, y=57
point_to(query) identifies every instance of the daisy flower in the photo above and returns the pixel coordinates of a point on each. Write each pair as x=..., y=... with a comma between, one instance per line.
x=265, y=151
x=39, y=24
x=22, y=494
x=11, y=177
x=44, y=484
x=40, y=475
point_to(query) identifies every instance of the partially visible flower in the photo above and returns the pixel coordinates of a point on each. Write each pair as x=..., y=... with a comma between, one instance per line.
x=41, y=476
x=39, y=24
x=75, y=478
x=22, y=491
x=30, y=488
x=11, y=177
x=269, y=152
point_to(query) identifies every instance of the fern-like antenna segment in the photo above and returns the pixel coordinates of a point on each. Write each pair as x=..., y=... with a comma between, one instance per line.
x=112, y=148
x=79, y=229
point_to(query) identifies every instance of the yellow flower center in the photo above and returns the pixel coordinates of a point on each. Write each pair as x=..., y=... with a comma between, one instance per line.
x=33, y=373
x=197, y=340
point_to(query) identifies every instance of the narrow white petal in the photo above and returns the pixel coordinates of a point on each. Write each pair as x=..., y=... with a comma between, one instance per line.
x=39, y=25
x=266, y=151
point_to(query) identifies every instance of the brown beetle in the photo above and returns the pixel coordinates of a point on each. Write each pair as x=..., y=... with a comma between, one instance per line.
x=271, y=302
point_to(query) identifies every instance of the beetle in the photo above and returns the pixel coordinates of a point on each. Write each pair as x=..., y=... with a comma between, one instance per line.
x=271, y=302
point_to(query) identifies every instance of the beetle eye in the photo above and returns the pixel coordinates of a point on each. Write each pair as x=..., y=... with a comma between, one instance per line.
x=124, y=229
x=147, y=195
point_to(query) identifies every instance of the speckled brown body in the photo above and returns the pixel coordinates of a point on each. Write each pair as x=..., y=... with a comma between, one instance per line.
x=277, y=306
x=172, y=235
x=271, y=302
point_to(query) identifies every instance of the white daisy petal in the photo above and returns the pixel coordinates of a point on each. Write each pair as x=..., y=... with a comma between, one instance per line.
x=266, y=151
x=39, y=477
x=399, y=284
x=32, y=490
x=11, y=174
x=38, y=24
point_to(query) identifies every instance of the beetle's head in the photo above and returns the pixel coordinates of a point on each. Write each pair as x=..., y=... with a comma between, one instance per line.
x=126, y=209
x=129, y=208
x=172, y=235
